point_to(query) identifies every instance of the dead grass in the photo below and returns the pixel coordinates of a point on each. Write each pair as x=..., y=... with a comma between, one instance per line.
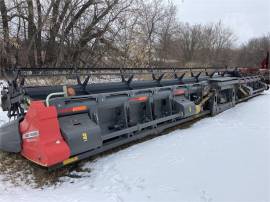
x=17, y=170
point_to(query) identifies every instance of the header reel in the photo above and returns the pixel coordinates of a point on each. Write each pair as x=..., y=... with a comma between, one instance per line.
x=16, y=95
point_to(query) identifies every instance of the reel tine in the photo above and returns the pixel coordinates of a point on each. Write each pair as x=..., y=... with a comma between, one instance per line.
x=122, y=76
x=161, y=77
x=174, y=73
x=212, y=74
x=78, y=80
x=153, y=76
x=22, y=81
x=130, y=78
x=86, y=81
x=223, y=73
x=197, y=76
x=182, y=76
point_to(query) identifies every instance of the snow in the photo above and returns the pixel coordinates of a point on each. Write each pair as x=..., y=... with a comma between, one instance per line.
x=225, y=158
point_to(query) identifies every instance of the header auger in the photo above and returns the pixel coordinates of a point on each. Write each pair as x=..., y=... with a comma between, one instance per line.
x=55, y=125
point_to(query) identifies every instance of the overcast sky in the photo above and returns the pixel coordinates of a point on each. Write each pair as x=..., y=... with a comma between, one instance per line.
x=247, y=18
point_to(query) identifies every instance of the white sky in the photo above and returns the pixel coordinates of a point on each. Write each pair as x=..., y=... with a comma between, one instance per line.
x=247, y=18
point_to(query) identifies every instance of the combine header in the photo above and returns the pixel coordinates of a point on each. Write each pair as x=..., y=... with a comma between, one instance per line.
x=55, y=125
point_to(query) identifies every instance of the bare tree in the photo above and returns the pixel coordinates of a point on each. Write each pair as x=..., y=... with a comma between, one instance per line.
x=167, y=31
x=250, y=54
x=209, y=44
x=216, y=43
x=113, y=32
x=5, y=24
x=189, y=41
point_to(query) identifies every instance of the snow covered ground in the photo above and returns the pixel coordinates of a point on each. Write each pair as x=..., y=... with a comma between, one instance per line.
x=219, y=159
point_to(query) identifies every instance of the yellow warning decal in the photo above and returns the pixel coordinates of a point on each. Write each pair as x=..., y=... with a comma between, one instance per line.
x=198, y=109
x=70, y=160
x=84, y=137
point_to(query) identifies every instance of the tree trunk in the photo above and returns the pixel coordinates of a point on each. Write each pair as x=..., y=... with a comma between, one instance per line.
x=31, y=34
x=57, y=20
x=38, y=38
x=6, y=61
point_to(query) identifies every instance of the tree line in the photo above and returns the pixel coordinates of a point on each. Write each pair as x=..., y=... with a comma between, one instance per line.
x=125, y=33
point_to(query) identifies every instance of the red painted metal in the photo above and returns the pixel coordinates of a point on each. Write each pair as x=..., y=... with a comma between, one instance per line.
x=263, y=69
x=265, y=62
x=73, y=109
x=139, y=99
x=42, y=140
x=179, y=92
x=249, y=70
